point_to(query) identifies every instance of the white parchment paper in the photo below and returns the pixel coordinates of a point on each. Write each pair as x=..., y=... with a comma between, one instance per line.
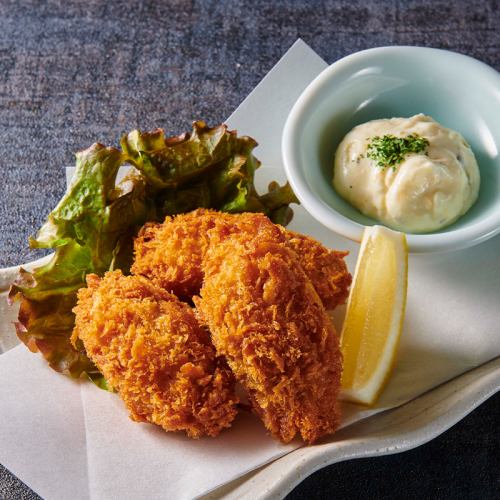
x=68, y=439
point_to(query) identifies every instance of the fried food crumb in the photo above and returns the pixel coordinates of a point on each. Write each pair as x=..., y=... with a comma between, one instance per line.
x=171, y=254
x=268, y=321
x=151, y=348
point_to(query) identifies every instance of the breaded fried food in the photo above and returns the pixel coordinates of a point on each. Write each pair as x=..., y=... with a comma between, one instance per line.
x=325, y=268
x=171, y=254
x=151, y=348
x=268, y=321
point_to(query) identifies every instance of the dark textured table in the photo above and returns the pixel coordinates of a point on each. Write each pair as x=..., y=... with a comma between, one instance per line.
x=72, y=73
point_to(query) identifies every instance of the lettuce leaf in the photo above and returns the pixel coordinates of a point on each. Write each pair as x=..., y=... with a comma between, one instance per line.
x=211, y=167
x=91, y=229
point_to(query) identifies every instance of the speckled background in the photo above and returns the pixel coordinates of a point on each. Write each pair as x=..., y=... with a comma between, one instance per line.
x=72, y=73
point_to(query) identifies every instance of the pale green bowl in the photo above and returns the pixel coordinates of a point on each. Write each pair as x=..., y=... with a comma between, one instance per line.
x=457, y=91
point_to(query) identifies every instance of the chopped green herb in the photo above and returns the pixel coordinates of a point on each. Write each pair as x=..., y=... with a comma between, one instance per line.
x=389, y=150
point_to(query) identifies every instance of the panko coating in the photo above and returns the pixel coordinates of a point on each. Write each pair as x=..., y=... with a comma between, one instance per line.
x=268, y=321
x=171, y=254
x=325, y=268
x=151, y=348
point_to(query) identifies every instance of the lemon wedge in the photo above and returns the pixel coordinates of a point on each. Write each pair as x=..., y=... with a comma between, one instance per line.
x=375, y=313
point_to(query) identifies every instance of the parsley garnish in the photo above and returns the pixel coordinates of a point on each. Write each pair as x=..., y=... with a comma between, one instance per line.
x=389, y=150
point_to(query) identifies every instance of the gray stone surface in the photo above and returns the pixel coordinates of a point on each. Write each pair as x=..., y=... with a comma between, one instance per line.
x=72, y=73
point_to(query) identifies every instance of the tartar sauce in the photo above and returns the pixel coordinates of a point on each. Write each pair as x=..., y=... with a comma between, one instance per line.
x=424, y=189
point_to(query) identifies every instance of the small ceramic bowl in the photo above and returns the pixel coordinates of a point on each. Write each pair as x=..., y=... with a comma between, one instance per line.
x=459, y=92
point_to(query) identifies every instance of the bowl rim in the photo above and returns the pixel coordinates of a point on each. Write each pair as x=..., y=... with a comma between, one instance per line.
x=325, y=214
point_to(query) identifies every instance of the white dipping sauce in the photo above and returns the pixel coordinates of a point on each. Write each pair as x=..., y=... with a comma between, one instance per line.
x=425, y=192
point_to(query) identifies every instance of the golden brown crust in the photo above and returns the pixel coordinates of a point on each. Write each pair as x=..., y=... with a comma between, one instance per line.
x=171, y=255
x=325, y=268
x=268, y=321
x=262, y=294
x=150, y=347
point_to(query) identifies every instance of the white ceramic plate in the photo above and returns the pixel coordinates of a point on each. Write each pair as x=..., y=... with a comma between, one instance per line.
x=393, y=431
